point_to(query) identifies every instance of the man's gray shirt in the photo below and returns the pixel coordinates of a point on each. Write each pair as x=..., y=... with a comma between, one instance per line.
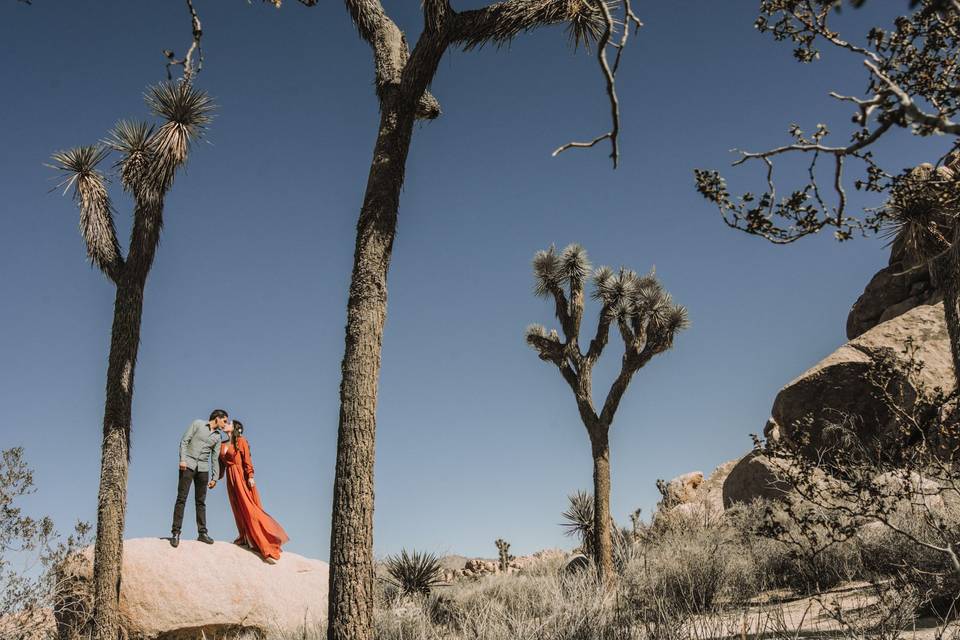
x=200, y=448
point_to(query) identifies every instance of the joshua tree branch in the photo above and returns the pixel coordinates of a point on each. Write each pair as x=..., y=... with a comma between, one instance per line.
x=629, y=366
x=390, y=49
x=501, y=22
x=603, y=333
x=561, y=309
x=435, y=14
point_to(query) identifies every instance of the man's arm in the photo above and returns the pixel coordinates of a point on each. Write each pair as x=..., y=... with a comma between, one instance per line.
x=183, y=444
x=215, y=461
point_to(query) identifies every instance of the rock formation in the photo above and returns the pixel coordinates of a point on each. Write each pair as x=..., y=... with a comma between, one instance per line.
x=202, y=590
x=894, y=290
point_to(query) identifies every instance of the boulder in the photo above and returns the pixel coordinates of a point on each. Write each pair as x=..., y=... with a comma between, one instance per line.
x=753, y=476
x=199, y=590
x=837, y=385
x=894, y=290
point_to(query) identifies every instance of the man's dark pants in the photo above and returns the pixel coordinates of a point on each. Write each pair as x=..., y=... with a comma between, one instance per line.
x=199, y=480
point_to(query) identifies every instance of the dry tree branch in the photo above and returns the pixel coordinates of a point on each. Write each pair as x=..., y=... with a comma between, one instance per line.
x=609, y=75
x=189, y=70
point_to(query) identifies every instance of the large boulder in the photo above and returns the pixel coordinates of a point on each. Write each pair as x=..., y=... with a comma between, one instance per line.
x=753, y=476
x=838, y=386
x=199, y=590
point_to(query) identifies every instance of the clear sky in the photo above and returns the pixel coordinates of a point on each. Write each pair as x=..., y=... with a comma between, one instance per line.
x=245, y=307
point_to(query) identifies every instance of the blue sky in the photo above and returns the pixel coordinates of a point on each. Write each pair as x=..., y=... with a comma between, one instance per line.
x=245, y=307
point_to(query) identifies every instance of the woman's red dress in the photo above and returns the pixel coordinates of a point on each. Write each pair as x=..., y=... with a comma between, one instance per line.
x=256, y=528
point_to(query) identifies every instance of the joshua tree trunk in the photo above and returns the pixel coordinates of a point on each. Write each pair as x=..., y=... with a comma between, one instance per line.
x=602, y=539
x=350, y=606
x=115, y=457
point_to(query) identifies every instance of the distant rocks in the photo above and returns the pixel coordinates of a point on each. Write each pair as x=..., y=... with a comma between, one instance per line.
x=692, y=493
x=476, y=568
x=200, y=590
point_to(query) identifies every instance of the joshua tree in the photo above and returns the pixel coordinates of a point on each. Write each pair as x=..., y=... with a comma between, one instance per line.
x=148, y=160
x=912, y=74
x=402, y=77
x=503, y=551
x=647, y=320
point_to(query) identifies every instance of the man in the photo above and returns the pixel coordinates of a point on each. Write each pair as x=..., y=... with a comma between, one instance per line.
x=199, y=465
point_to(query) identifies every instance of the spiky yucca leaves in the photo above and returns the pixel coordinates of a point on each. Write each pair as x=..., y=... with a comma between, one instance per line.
x=79, y=168
x=923, y=209
x=502, y=21
x=132, y=140
x=187, y=111
x=641, y=303
x=414, y=573
x=587, y=22
x=578, y=520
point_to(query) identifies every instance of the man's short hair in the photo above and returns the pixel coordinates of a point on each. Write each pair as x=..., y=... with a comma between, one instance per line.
x=218, y=413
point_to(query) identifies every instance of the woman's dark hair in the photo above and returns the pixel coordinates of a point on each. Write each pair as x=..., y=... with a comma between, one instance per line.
x=237, y=432
x=218, y=413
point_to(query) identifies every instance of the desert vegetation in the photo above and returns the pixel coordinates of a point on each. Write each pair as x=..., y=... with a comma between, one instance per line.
x=853, y=532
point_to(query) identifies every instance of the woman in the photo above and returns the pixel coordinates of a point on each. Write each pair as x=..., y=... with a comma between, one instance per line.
x=257, y=530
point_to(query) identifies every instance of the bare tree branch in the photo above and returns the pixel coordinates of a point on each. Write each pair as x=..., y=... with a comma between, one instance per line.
x=189, y=69
x=608, y=75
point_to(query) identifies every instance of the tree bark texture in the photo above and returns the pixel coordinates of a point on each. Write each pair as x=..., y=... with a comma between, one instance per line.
x=115, y=457
x=350, y=604
x=602, y=534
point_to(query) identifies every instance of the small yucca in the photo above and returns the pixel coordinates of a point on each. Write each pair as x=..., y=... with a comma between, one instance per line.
x=414, y=573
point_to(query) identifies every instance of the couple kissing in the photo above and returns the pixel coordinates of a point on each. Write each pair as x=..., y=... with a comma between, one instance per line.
x=209, y=451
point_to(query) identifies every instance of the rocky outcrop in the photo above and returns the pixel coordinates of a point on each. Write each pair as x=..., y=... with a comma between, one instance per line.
x=202, y=590
x=838, y=386
x=691, y=493
x=680, y=490
x=894, y=290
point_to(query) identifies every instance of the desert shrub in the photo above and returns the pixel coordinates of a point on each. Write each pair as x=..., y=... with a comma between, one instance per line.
x=794, y=553
x=927, y=572
x=691, y=562
x=550, y=606
x=413, y=573
x=31, y=555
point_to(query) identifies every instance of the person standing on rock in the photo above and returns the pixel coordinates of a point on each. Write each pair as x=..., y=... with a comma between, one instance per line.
x=199, y=462
x=255, y=528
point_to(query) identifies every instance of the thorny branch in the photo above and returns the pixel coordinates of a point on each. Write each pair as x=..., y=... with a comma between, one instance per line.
x=189, y=69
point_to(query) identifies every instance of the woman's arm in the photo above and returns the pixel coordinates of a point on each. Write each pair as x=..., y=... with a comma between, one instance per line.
x=245, y=459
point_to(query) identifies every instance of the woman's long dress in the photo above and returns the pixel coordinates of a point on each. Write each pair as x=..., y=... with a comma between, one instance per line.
x=255, y=526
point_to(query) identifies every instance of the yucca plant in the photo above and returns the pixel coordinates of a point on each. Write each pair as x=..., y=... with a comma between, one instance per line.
x=578, y=520
x=414, y=573
x=647, y=320
x=148, y=158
